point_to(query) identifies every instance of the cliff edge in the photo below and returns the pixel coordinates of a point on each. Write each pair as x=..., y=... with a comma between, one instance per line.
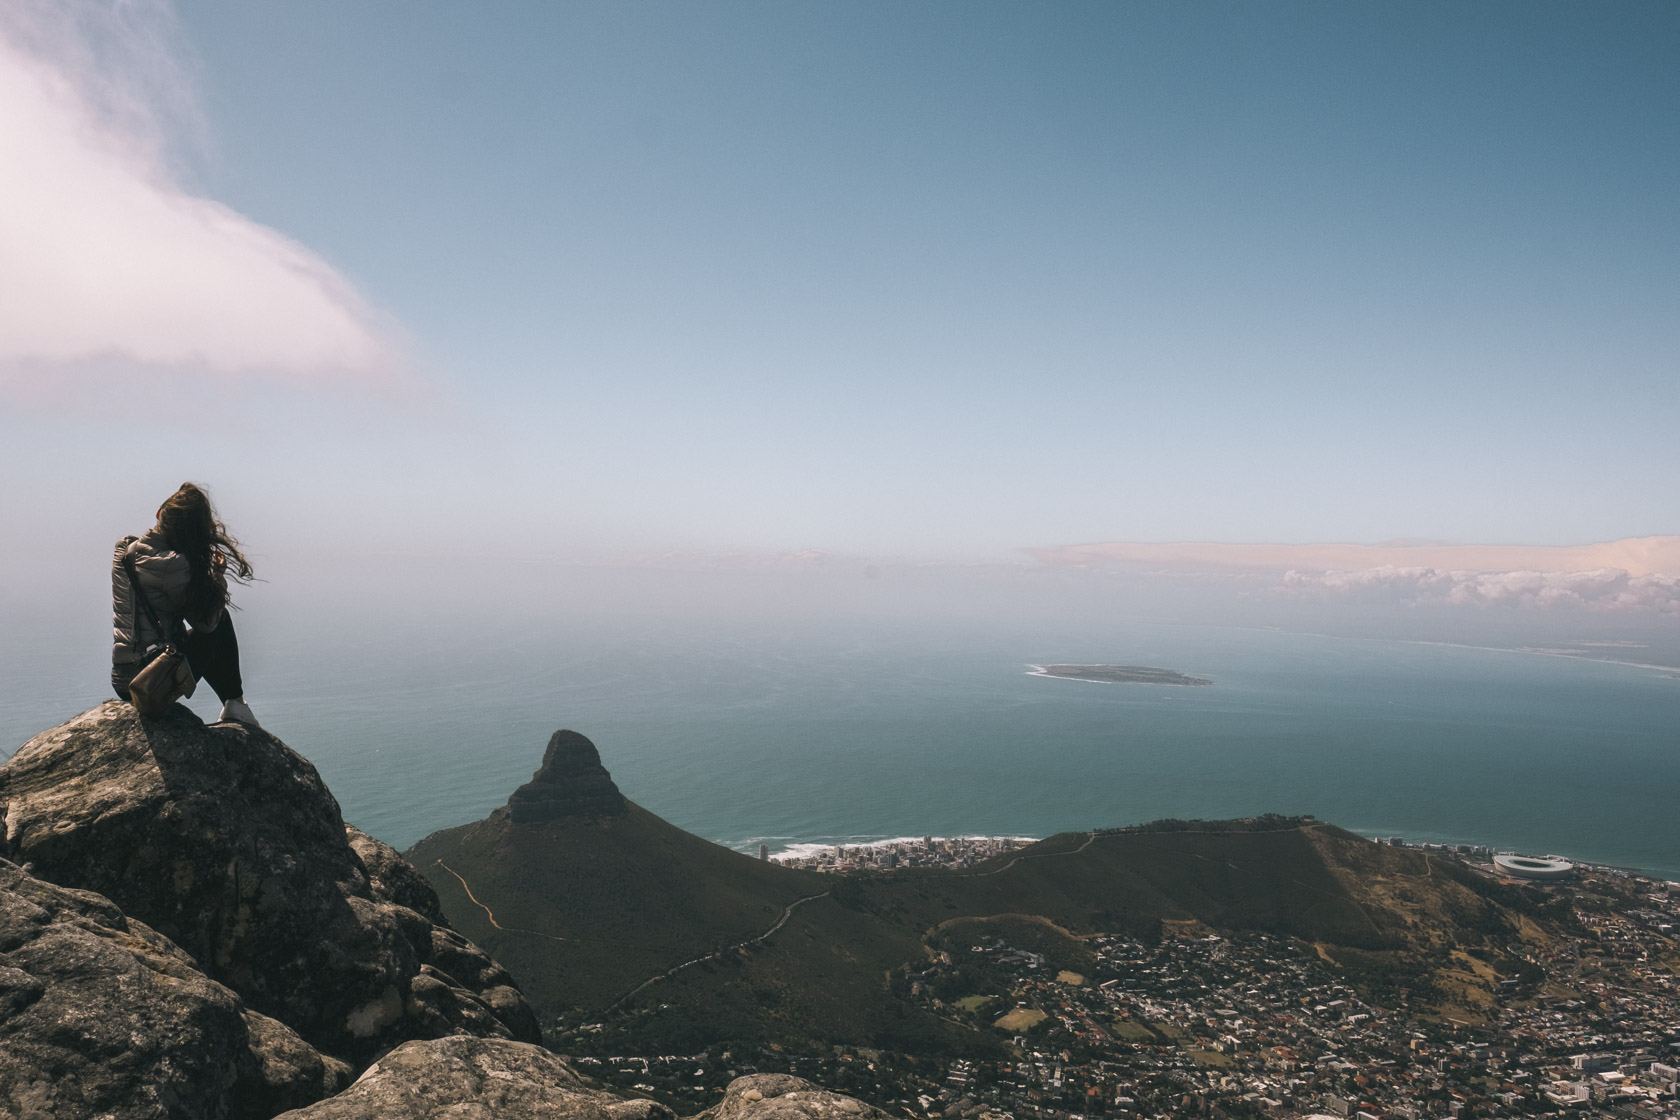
x=189, y=930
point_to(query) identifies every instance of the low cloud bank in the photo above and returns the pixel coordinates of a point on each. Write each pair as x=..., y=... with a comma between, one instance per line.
x=1633, y=574
x=1604, y=589
x=1638, y=556
x=103, y=254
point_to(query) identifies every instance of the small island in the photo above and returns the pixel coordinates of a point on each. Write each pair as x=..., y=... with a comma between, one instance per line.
x=1117, y=674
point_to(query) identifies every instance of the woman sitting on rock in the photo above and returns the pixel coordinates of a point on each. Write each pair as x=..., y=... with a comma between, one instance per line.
x=182, y=566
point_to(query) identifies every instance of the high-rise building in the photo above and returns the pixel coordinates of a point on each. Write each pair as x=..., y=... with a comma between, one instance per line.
x=764, y=851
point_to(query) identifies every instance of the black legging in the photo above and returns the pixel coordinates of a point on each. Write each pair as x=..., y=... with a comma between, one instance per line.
x=213, y=655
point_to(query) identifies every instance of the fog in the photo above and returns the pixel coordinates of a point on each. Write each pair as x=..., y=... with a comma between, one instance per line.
x=444, y=606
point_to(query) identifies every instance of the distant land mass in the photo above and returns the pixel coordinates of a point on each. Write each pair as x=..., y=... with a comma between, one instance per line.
x=1118, y=674
x=1637, y=556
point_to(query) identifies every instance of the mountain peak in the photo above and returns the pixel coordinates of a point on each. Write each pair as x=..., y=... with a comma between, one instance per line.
x=570, y=783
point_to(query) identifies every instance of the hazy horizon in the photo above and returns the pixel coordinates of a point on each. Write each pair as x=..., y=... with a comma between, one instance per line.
x=1019, y=326
x=936, y=282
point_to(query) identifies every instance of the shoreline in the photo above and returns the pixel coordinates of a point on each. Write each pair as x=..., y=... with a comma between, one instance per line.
x=1118, y=674
x=811, y=850
x=804, y=849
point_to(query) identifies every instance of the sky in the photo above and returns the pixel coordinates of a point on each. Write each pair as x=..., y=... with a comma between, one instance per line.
x=606, y=281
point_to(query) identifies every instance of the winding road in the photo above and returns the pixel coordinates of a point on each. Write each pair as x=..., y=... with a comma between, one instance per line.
x=787, y=912
x=489, y=914
x=1089, y=840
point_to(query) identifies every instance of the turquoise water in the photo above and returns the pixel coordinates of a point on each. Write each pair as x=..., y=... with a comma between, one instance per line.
x=850, y=732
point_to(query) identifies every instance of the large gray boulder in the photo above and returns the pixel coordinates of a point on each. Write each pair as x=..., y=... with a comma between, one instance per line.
x=227, y=842
x=781, y=1096
x=464, y=1078
x=101, y=1016
x=458, y=985
x=490, y=1079
x=393, y=878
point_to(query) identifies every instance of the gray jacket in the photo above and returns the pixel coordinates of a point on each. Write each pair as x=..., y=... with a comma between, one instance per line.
x=164, y=575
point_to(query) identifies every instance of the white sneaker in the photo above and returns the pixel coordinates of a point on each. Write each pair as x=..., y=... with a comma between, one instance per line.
x=237, y=711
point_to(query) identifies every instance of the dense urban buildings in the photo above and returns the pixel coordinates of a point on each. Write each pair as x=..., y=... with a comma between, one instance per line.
x=929, y=851
x=1199, y=1024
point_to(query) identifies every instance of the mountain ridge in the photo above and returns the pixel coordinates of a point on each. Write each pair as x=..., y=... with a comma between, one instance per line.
x=830, y=969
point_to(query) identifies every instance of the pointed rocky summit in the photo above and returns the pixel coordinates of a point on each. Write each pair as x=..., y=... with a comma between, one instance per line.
x=570, y=783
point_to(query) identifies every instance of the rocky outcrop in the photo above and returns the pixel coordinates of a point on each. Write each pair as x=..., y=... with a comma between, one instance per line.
x=449, y=963
x=475, y=1079
x=487, y=1079
x=189, y=931
x=781, y=1096
x=393, y=878
x=570, y=783
x=227, y=842
x=101, y=1016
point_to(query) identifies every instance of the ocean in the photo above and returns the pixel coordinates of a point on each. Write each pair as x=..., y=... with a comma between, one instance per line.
x=847, y=732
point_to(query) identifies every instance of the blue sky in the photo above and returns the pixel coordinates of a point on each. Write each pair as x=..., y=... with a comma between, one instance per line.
x=883, y=278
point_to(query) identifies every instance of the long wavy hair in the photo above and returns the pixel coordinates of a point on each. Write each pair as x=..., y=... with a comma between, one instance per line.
x=191, y=527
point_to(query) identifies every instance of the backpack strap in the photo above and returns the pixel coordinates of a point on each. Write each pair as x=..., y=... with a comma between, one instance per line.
x=141, y=599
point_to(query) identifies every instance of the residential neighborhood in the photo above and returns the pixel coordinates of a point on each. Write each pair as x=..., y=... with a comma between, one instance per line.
x=1196, y=1023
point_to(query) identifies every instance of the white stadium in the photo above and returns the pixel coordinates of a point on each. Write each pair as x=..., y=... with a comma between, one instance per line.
x=1533, y=867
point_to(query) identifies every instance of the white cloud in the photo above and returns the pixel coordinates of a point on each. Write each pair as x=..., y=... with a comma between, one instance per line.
x=1639, y=556
x=1603, y=589
x=1631, y=574
x=104, y=254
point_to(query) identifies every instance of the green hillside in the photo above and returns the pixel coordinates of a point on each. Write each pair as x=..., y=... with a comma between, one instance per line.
x=583, y=910
x=630, y=934
x=1298, y=877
